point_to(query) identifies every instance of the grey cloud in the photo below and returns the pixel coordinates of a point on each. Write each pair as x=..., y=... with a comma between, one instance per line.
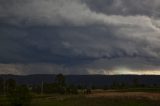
x=82, y=47
x=102, y=66
x=61, y=12
x=81, y=35
x=125, y=7
x=39, y=68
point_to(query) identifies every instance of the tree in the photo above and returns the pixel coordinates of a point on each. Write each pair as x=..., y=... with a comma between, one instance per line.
x=115, y=84
x=135, y=82
x=10, y=84
x=1, y=86
x=19, y=96
x=60, y=82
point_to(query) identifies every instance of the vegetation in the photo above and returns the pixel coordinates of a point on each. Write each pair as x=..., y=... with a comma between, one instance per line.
x=1, y=86
x=89, y=101
x=19, y=96
x=59, y=93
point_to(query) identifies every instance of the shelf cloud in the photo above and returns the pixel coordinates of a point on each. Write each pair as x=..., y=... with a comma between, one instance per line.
x=79, y=36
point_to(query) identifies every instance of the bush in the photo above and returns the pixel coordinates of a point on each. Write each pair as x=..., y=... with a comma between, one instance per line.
x=87, y=91
x=72, y=89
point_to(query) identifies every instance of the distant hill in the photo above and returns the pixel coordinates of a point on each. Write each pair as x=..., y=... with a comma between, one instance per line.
x=88, y=80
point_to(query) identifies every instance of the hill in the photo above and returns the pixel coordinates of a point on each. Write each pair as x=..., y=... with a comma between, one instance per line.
x=88, y=80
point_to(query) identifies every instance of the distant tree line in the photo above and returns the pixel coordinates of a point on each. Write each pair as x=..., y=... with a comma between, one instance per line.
x=60, y=86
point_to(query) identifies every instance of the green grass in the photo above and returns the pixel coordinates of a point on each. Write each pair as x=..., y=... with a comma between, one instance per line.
x=89, y=101
x=152, y=90
x=83, y=100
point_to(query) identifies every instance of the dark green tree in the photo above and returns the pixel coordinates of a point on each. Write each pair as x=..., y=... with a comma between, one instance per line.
x=1, y=86
x=19, y=96
x=60, y=82
x=10, y=84
x=135, y=82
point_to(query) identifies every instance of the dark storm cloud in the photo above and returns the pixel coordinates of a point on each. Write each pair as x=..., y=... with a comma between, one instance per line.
x=78, y=36
x=37, y=44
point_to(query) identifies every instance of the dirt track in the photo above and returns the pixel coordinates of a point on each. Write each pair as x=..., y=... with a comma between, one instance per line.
x=137, y=95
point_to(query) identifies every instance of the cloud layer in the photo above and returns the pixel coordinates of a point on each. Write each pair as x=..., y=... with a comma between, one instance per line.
x=79, y=36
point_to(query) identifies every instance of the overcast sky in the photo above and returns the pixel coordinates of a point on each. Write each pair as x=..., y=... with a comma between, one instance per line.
x=80, y=36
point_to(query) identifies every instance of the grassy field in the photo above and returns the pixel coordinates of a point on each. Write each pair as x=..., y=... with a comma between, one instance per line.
x=97, y=98
x=100, y=99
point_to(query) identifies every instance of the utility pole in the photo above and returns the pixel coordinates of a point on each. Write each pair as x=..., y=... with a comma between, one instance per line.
x=4, y=86
x=42, y=87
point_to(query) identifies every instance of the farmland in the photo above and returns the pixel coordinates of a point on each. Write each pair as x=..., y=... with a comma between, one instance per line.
x=104, y=98
x=96, y=98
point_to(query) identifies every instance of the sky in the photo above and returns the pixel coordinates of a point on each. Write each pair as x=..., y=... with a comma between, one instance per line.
x=80, y=37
